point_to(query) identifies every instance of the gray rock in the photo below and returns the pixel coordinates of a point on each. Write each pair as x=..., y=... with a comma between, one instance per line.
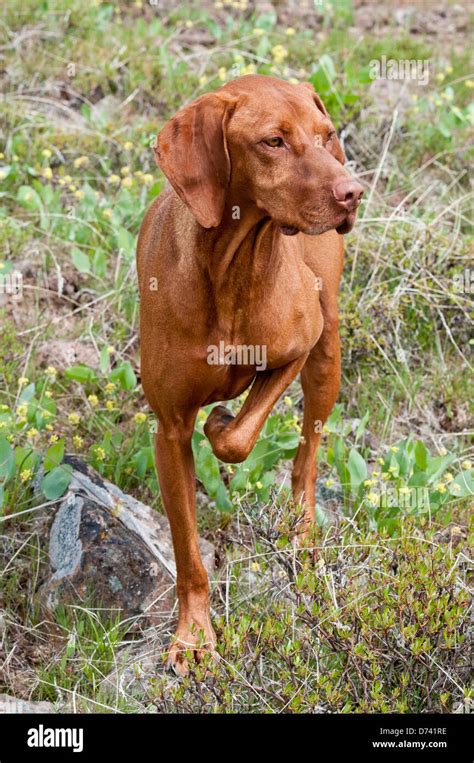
x=10, y=704
x=109, y=550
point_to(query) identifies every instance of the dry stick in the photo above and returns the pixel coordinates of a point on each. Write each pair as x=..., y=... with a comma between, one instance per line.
x=55, y=321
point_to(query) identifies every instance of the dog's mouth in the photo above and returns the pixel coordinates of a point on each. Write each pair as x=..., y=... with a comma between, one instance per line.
x=347, y=225
x=287, y=230
x=344, y=227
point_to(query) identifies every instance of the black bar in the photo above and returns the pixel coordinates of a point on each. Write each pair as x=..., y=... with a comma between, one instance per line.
x=154, y=737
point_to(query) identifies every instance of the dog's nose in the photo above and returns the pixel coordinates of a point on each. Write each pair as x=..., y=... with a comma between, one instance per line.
x=348, y=193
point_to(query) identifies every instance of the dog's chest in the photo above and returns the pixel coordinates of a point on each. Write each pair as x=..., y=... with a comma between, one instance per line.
x=272, y=323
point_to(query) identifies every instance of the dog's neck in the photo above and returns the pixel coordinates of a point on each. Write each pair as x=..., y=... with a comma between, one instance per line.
x=245, y=233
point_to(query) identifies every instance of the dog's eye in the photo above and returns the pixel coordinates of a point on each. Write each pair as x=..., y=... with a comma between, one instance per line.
x=331, y=135
x=274, y=142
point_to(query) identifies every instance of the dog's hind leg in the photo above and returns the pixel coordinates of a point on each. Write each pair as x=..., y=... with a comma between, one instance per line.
x=320, y=379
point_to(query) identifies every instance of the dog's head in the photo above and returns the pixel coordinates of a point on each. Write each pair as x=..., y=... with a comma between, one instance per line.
x=261, y=140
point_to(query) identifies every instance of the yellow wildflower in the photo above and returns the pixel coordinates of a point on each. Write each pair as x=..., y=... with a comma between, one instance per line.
x=373, y=498
x=81, y=161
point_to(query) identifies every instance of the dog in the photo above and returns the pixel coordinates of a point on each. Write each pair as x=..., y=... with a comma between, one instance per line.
x=244, y=248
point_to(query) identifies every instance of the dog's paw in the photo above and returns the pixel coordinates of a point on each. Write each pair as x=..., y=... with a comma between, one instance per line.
x=218, y=419
x=191, y=644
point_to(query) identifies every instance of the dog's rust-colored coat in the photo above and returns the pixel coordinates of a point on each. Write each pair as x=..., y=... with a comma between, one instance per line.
x=245, y=249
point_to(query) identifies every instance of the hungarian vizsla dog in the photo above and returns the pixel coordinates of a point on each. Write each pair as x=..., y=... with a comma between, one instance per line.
x=245, y=249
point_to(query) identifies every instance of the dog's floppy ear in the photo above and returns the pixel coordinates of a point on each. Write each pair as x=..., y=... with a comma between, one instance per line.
x=333, y=145
x=191, y=149
x=316, y=98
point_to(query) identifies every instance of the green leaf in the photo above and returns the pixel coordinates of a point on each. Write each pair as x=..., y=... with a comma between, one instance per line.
x=421, y=455
x=28, y=197
x=357, y=468
x=403, y=459
x=56, y=482
x=104, y=359
x=25, y=458
x=437, y=465
x=321, y=517
x=143, y=461
x=462, y=486
x=125, y=242
x=7, y=459
x=288, y=441
x=125, y=375
x=223, y=501
x=81, y=373
x=100, y=263
x=54, y=455
x=28, y=393
x=81, y=261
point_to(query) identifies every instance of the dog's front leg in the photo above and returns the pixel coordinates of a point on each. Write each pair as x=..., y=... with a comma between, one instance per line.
x=232, y=438
x=175, y=464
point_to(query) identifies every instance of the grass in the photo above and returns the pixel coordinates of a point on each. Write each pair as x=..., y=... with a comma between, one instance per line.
x=89, y=85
